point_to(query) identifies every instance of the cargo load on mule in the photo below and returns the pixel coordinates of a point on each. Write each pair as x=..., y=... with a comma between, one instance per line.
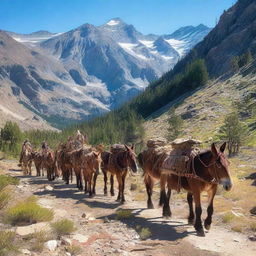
x=117, y=148
x=174, y=158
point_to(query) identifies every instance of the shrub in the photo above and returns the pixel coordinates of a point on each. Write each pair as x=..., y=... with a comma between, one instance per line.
x=6, y=180
x=145, y=233
x=39, y=238
x=63, y=227
x=7, y=242
x=4, y=198
x=74, y=249
x=27, y=212
x=124, y=214
x=228, y=217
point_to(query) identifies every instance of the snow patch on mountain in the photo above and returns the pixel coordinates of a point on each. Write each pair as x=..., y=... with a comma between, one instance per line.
x=113, y=22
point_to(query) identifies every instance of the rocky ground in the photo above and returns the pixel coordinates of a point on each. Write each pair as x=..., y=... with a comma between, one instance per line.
x=100, y=233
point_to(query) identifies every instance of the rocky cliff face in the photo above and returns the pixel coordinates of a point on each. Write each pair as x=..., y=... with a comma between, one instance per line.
x=234, y=35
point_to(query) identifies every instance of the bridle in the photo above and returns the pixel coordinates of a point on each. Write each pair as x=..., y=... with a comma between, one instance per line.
x=215, y=164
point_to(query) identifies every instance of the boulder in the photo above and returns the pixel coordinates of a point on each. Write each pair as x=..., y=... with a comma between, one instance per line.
x=27, y=230
x=51, y=245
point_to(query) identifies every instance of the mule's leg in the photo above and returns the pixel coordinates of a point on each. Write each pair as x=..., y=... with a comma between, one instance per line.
x=198, y=223
x=208, y=220
x=163, y=181
x=112, y=192
x=166, y=206
x=85, y=182
x=90, y=184
x=149, y=183
x=30, y=166
x=191, y=216
x=94, y=183
x=105, y=182
x=123, y=187
x=120, y=186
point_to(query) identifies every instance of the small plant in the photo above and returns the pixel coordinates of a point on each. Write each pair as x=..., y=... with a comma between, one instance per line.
x=38, y=240
x=7, y=242
x=27, y=212
x=4, y=198
x=124, y=214
x=253, y=226
x=228, y=217
x=63, y=227
x=6, y=180
x=237, y=228
x=144, y=233
x=74, y=249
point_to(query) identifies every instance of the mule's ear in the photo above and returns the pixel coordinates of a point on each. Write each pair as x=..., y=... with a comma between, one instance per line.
x=132, y=147
x=127, y=148
x=214, y=150
x=95, y=154
x=223, y=146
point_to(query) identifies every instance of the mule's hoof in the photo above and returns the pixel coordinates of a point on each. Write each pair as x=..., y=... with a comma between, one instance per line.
x=207, y=226
x=200, y=232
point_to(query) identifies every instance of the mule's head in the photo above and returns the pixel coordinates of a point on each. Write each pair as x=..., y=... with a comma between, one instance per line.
x=97, y=162
x=220, y=169
x=131, y=158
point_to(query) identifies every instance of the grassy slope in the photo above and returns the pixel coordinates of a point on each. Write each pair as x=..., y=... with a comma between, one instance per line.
x=210, y=105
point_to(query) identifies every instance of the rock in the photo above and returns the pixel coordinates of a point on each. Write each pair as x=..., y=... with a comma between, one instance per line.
x=51, y=245
x=91, y=218
x=252, y=238
x=68, y=253
x=80, y=238
x=25, y=252
x=253, y=210
x=26, y=230
x=106, y=220
x=83, y=215
x=48, y=188
x=66, y=241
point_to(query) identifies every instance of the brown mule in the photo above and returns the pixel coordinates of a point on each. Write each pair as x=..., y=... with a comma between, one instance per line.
x=91, y=167
x=211, y=168
x=26, y=158
x=118, y=164
x=150, y=161
x=37, y=158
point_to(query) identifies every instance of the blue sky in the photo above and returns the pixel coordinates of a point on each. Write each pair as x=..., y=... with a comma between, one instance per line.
x=148, y=16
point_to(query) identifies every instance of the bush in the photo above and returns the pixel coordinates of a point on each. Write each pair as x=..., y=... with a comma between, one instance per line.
x=74, y=249
x=27, y=212
x=6, y=180
x=63, y=227
x=38, y=239
x=228, y=217
x=124, y=214
x=175, y=123
x=145, y=233
x=4, y=198
x=7, y=242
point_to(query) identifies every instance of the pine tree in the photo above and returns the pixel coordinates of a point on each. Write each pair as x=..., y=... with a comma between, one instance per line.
x=234, y=132
x=175, y=123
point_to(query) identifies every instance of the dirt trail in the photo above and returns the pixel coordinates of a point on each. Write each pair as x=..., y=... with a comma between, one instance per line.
x=100, y=234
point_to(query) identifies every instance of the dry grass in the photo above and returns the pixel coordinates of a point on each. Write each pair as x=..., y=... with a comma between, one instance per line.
x=124, y=214
x=6, y=180
x=7, y=244
x=74, y=249
x=37, y=240
x=63, y=227
x=27, y=212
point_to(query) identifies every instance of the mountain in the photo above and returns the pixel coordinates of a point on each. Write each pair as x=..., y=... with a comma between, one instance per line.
x=228, y=47
x=88, y=70
x=233, y=36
